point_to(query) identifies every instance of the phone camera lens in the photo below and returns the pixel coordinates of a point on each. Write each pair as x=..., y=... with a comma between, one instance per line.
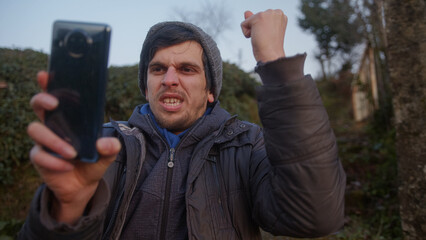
x=77, y=42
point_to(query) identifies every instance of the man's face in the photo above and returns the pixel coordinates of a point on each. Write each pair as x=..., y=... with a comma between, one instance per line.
x=176, y=86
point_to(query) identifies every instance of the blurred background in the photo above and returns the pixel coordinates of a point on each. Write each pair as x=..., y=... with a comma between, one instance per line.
x=348, y=56
x=28, y=24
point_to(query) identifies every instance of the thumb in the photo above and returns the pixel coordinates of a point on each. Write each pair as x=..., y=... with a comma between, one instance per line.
x=108, y=148
x=247, y=14
x=245, y=25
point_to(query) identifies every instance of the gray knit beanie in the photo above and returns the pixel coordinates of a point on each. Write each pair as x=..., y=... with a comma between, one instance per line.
x=211, y=51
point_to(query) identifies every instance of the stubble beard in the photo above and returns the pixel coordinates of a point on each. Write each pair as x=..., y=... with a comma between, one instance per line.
x=183, y=122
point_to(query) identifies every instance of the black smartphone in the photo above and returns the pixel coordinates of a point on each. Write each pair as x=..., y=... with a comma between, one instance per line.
x=78, y=66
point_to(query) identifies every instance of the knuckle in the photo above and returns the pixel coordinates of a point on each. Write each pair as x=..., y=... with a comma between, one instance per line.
x=32, y=127
x=34, y=100
x=35, y=156
x=33, y=152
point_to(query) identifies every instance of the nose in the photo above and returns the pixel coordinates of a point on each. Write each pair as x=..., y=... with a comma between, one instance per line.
x=171, y=77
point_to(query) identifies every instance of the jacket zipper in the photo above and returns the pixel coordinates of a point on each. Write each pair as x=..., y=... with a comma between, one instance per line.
x=219, y=189
x=170, y=165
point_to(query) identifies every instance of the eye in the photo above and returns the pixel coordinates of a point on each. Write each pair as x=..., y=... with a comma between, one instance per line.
x=188, y=69
x=157, y=69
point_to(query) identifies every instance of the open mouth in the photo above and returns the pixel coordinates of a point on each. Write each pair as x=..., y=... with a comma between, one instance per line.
x=172, y=102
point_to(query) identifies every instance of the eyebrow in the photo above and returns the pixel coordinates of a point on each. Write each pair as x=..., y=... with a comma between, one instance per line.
x=182, y=64
x=155, y=64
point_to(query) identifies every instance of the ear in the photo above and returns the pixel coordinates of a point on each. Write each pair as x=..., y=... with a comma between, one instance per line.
x=210, y=97
x=146, y=94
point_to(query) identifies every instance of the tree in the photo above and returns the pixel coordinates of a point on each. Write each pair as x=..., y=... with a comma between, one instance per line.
x=336, y=27
x=406, y=37
x=213, y=17
x=371, y=14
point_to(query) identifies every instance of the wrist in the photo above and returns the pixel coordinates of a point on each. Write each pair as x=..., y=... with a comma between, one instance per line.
x=271, y=56
x=70, y=211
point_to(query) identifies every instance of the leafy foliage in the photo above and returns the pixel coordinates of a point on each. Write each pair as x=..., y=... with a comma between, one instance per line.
x=238, y=94
x=367, y=151
x=18, y=69
x=9, y=228
x=333, y=22
x=123, y=93
x=17, y=77
x=335, y=25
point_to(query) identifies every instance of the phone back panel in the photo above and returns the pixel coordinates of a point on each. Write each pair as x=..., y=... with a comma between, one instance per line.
x=78, y=67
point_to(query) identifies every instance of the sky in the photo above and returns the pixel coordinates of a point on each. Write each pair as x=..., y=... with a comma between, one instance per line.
x=28, y=24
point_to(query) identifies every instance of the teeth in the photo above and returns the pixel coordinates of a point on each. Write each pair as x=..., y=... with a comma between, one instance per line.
x=171, y=101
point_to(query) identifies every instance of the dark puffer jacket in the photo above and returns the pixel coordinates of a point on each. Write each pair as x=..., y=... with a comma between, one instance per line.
x=286, y=178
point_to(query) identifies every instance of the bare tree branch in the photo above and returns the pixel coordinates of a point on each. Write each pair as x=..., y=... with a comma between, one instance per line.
x=212, y=17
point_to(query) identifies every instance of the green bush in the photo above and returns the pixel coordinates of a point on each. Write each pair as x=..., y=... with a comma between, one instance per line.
x=123, y=93
x=367, y=151
x=238, y=94
x=8, y=229
x=18, y=69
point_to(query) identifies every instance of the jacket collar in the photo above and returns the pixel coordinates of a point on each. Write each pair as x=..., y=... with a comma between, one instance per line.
x=203, y=127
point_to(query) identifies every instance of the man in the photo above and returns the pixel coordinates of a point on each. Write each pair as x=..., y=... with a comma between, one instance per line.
x=182, y=167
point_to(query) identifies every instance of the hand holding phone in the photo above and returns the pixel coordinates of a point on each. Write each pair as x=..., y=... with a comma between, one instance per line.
x=73, y=183
x=77, y=78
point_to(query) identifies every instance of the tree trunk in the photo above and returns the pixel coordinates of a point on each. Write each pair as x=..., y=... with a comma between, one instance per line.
x=406, y=36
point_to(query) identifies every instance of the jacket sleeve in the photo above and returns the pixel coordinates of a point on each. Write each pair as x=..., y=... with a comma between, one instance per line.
x=40, y=225
x=302, y=192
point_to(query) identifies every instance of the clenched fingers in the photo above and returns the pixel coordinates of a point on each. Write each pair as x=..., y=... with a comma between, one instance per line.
x=245, y=25
x=44, y=160
x=43, y=136
x=42, y=79
x=42, y=102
